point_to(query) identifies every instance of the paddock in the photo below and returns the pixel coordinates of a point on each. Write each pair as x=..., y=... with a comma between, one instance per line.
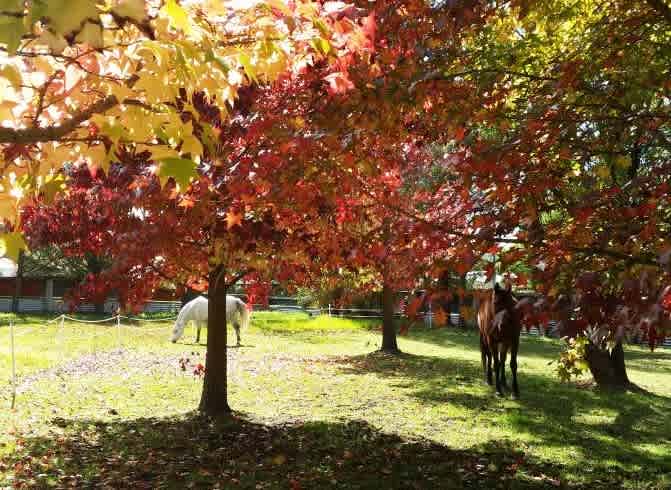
x=102, y=403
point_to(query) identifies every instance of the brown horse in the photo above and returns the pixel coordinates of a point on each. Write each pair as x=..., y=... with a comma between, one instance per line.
x=500, y=328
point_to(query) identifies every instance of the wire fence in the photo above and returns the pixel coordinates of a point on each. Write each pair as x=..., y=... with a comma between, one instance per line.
x=56, y=341
x=59, y=341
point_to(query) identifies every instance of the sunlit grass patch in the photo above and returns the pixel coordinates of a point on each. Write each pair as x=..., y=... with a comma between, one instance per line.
x=316, y=402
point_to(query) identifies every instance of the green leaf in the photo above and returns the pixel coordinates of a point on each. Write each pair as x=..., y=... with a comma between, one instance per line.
x=11, y=245
x=180, y=169
x=179, y=18
x=66, y=16
x=91, y=34
x=11, y=31
x=57, y=44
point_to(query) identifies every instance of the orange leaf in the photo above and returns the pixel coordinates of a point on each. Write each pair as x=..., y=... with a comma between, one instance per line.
x=232, y=219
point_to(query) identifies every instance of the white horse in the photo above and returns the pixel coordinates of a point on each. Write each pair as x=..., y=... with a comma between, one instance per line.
x=196, y=311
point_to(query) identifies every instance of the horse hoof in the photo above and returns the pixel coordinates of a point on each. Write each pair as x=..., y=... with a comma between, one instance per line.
x=499, y=394
x=173, y=341
x=515, y=396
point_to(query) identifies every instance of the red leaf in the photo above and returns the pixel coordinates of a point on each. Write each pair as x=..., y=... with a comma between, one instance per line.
x=338, y=83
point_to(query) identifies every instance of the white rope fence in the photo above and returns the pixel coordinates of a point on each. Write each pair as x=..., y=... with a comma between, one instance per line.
x=98, y=325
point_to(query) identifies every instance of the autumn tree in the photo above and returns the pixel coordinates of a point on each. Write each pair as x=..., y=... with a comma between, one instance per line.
x=567, y=155
x=158, y=89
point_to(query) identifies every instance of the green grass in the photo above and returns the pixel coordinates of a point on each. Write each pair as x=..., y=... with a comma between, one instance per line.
x=315, y=409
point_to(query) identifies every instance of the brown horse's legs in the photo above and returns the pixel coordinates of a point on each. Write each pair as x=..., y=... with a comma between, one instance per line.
x=486, y=360
x=490, y=376
x=513, y=368
x=504, y=356
x=497, y=370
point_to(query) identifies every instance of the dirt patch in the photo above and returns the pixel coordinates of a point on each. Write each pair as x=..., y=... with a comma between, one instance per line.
x=120, y=362
x=129, y=363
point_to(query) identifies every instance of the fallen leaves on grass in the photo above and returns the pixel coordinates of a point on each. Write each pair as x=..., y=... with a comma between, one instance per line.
x=194, y=451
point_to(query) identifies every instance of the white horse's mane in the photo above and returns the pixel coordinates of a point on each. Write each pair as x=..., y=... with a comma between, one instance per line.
x=195, y=310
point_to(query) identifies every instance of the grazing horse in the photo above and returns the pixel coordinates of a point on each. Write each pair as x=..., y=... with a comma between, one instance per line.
x=500, y=327
x=195, y=310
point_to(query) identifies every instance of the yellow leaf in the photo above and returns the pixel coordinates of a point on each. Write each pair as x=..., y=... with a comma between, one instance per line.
x=192, y=145
x=179, y=18
x=8, y=208
x=623, y=161
x=136, y=123
x=133, y=9
x=100, y=157
x=279, y=5
x=280, y=459
x=246, y=62
x=161, y=152
x=53, y=184
x=11, y=244
x=120, y=91
x=155, y=87
x=6, y=110
x=11, y=73
x=602, y=171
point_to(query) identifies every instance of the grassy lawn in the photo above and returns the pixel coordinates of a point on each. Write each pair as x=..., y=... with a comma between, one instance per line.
x=101, y=407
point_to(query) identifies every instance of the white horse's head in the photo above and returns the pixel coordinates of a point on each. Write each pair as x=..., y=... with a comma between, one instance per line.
x=177, y=330
x=196, y=310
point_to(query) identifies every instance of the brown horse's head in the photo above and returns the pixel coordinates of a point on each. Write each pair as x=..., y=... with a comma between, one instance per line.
x=503, y=302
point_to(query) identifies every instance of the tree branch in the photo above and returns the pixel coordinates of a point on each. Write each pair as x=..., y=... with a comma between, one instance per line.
x=25, y=136
x=661, y=8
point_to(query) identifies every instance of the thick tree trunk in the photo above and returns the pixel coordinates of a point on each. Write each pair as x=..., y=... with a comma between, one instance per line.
x=214, y=399
x=18, y=285
x=388, y=328
x=607, y=368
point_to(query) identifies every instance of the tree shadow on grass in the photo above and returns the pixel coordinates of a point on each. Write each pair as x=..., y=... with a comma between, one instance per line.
x=194, y=452
x=607, y=428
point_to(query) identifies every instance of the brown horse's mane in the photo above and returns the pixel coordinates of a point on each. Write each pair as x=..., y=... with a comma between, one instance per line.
x=486, y=311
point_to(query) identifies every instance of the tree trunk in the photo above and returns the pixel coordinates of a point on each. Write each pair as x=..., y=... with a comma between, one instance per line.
x=388, y=328
x=607, y=368
x=18, y=285
x=214, y=399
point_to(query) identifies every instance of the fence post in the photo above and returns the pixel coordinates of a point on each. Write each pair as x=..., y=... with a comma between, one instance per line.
x=430, y=316
x=61, y=331
x=118, y=331
x=11, y=337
